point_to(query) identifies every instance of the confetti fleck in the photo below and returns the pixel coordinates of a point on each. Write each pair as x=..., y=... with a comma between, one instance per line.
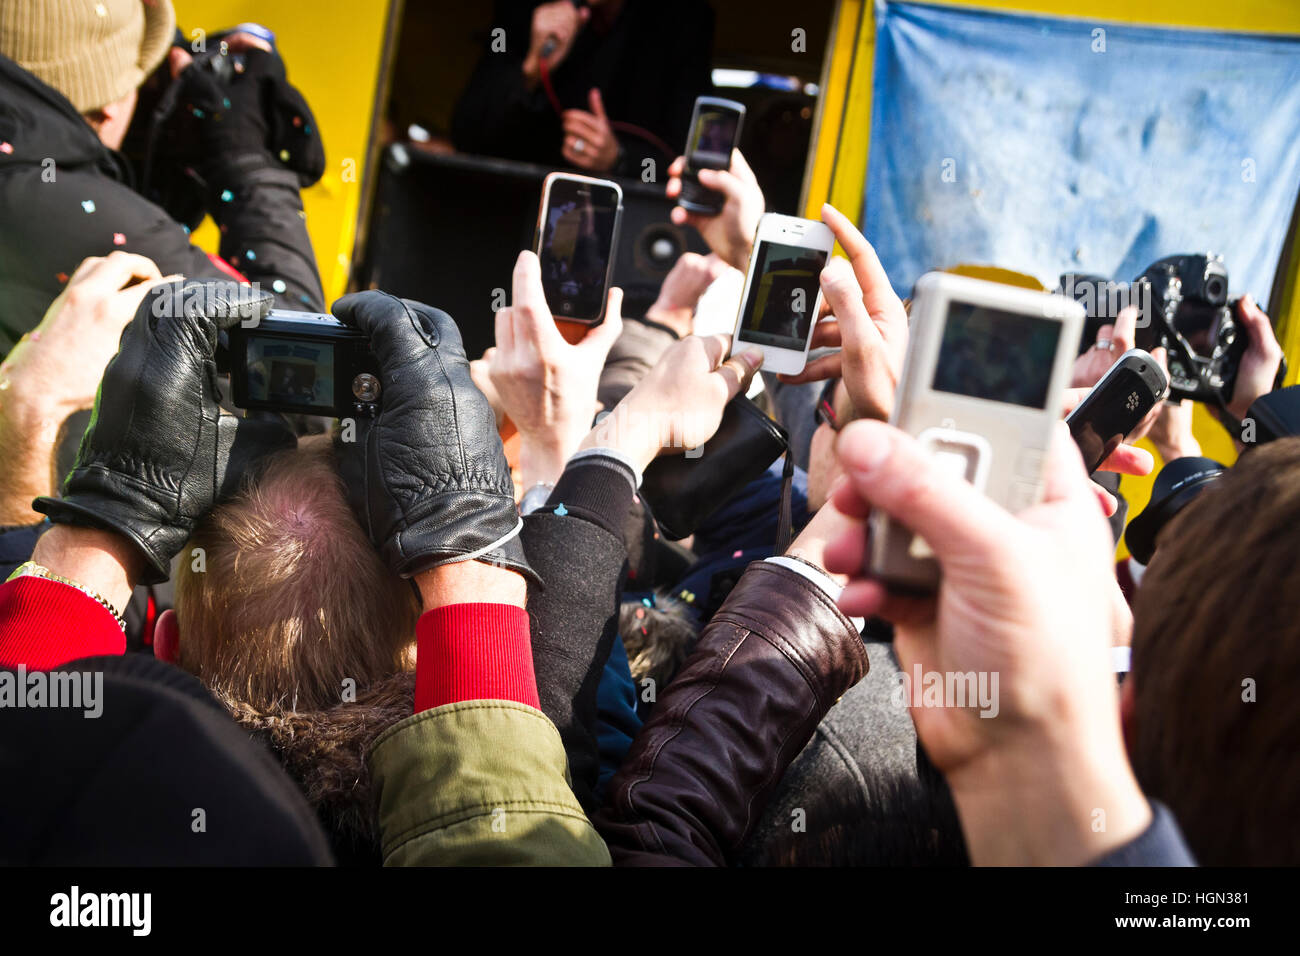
x=284, y=155
x=226, y=102
x=647, y=602
x=88, y=205
x=6, y=147
x=119, y=239
x=187, y=229
x=297, y=121
x=198, y=112
x=36, y=335
x=737, y=553
x=250, y=255
x=560, y=510
x=278, y=285
x=62, y=277
x=640, y=613
x=227, y=195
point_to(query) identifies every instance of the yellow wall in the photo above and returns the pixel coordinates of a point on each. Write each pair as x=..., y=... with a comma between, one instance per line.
x=838, y=165
x=332, y=49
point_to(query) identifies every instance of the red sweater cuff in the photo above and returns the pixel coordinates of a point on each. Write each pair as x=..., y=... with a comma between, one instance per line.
x=44, y=624
x=474, y=652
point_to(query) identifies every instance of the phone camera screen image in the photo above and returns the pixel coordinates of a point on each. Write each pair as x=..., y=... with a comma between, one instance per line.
x=577, y=243
x=995, y=355
x=779, y=308
x=290, y=373
x=713, y=137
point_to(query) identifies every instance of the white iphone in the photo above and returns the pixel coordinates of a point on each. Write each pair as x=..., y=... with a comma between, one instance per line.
x=982, y=388
x=783, y=291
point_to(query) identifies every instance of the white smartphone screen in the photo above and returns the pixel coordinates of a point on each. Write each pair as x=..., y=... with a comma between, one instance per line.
x=778, y=312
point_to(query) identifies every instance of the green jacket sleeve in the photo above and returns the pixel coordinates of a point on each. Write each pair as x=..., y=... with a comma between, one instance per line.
x=479, y=783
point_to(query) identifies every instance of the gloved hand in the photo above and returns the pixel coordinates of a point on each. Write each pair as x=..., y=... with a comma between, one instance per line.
x=251, y=118
x=158, y=452
x=427, y=477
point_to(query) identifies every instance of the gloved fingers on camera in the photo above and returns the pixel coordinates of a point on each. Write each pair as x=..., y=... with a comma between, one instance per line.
x=395, y=330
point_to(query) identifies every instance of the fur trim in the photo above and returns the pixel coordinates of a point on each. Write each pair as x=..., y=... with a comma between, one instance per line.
x=325, y=751
x=657, y=639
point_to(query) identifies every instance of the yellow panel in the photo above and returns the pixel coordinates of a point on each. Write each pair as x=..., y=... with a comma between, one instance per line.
x=332, y=49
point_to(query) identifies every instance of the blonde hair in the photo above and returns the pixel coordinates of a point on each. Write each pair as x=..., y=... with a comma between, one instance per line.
x=288, y=599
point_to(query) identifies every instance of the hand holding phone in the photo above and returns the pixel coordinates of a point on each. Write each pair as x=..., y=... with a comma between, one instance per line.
x=1116, y=405
x=982, y=389
x=782, y=295
x=714, y=133
x=577, y=237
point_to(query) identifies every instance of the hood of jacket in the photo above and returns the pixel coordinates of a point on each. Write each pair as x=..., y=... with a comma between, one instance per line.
x=325, y=751
x=38, y=123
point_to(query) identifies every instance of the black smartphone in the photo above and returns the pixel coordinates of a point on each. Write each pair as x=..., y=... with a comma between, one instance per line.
x=1116, y=405
x=577, y=238
x=302, y=363
x=714, y=133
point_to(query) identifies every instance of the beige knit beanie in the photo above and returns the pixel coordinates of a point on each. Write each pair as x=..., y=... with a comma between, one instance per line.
x=94, y=52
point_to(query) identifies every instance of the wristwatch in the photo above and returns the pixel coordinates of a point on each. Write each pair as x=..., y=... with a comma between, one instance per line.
x=30, y=569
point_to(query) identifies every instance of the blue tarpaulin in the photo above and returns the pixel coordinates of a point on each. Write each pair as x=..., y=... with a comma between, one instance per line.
x=1050, y=145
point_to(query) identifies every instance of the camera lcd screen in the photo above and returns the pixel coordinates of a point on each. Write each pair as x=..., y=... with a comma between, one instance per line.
x=288, y=372
x=995, y=355
x=779, y=308
x=577, y=243
x=712, y=138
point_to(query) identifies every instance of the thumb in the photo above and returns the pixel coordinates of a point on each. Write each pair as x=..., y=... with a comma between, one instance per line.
x=890, y=470
x=602, y=337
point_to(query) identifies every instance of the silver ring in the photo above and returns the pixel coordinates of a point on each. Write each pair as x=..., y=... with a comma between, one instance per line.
x=1105, y=345
x=579, y=146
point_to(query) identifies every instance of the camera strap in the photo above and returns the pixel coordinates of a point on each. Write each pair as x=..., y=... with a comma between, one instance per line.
x=783, y=529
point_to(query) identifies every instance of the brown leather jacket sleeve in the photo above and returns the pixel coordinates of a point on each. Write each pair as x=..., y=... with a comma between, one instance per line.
x=768, y=667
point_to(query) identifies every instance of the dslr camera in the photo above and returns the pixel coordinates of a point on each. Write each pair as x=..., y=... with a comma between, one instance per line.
x=1183, y=306
x=302, y=363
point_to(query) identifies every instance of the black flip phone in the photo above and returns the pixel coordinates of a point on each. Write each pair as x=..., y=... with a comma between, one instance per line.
x=715, y=131
x=1116, y=405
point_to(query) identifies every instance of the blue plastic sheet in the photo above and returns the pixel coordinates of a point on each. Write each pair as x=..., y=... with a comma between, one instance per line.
x=1048, y=145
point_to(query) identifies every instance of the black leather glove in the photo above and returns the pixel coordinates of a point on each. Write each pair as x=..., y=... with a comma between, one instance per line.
x=158, y=453
x=427, y=477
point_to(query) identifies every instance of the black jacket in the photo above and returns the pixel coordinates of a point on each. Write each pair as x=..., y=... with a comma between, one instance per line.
x=649, y=67
x=576, y=545
x=65, y=196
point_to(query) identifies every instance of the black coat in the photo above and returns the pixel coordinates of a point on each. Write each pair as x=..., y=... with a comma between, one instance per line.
x=649, y=68
x=64, y=196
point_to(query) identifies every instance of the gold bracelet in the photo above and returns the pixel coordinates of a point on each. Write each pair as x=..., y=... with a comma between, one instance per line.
x=34, y=570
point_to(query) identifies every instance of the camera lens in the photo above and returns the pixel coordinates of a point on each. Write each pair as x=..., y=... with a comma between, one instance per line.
x=365, y=387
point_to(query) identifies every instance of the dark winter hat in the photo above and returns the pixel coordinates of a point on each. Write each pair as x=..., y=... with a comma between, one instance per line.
x=130, y=761
x=1178, y=483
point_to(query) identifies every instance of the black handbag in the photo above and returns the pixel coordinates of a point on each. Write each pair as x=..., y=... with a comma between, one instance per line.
x=683, y=490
